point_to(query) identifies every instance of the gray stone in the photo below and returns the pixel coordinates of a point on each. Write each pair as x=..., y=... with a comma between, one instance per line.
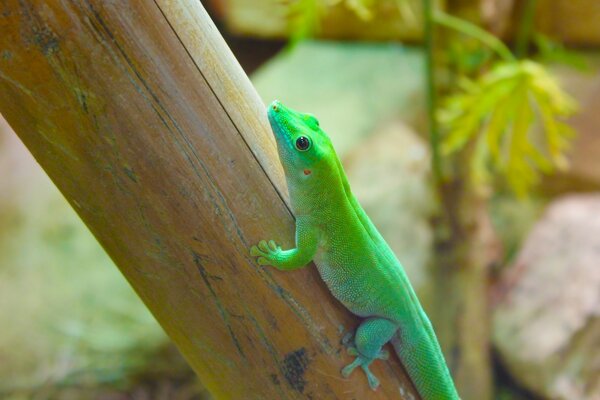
x=547, y=322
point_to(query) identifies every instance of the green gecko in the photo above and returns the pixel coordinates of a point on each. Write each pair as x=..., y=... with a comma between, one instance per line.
x=352, y=257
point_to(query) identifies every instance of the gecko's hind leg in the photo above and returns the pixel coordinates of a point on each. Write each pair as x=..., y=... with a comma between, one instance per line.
x=371, y=335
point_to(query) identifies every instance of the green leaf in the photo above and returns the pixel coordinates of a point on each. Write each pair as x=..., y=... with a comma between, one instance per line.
x=305, y=19
x=514, y=115
x=362, y=8
x=552, y=51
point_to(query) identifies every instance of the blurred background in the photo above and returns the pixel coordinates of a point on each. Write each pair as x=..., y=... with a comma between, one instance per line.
x=468, y=131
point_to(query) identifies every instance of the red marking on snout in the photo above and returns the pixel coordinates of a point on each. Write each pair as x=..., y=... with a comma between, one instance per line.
x=307, y=172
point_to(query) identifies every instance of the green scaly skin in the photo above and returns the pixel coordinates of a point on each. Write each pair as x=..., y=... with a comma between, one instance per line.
x=352, y=257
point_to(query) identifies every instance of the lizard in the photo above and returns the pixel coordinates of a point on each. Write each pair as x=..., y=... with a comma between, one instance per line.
x=353, y=259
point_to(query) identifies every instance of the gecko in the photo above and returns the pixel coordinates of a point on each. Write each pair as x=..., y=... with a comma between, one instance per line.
x=352, y=257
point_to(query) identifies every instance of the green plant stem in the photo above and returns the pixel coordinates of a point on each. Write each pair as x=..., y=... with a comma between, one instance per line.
x=434, y=137
x=525, y=28
x=476, y=32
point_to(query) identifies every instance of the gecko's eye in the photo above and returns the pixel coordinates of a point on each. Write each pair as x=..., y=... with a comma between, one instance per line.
x=303, y=143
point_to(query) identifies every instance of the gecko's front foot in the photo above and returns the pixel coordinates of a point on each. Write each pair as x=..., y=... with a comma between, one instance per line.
x=267, y=252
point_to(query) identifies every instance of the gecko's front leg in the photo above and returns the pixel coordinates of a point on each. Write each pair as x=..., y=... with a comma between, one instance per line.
x=307, y=239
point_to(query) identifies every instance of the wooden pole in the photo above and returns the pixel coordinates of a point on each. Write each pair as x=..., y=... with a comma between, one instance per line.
x=142, y=117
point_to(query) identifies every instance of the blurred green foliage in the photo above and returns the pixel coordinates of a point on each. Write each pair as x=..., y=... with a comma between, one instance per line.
x=305, y=15
x=551, y=51
x=500, y=115
x=362, y=8
x=505, y=116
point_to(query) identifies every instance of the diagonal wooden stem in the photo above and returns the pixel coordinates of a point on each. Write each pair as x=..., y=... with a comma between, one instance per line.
x=142, y=117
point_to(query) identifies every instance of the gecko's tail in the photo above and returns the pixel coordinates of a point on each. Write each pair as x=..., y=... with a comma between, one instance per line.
x=422, y=357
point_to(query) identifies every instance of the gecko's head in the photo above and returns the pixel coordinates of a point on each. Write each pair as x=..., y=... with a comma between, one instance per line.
x=304, y=149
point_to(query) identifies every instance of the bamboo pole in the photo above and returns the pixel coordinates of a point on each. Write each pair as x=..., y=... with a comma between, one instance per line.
x=141, y=116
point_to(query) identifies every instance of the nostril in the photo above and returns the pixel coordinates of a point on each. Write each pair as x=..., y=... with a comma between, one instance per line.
x=274, y=107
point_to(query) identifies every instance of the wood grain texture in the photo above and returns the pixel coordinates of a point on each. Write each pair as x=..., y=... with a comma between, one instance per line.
x=141, y=116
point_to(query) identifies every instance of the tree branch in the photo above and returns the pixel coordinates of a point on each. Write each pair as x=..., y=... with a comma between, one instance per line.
x=142, y=117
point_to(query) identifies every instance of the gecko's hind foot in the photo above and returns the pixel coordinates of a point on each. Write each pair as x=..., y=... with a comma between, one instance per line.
x=364, y=363
x=361, y=360
x=266, y=252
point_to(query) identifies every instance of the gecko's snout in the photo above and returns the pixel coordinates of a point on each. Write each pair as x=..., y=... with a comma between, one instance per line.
x=275, y=106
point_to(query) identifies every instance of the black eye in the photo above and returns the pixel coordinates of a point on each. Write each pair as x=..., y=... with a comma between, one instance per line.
x=302, y=143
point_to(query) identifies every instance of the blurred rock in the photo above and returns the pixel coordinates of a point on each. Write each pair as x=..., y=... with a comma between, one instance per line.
x=389, y=174
x=350, y=87
x=68, y=318
x=547, y=323
x=570, y=21
x=380, y=20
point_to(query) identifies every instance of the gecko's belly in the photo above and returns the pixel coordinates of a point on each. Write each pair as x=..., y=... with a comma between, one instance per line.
x=356, y=292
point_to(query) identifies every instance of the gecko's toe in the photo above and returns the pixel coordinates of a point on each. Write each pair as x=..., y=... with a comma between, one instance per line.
x=373, y=381
x=347, y=370
x=273, y=246
x=255, y=252
x=361, y=360
x=383, y=355
x=263, y=261
x=263, y=246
